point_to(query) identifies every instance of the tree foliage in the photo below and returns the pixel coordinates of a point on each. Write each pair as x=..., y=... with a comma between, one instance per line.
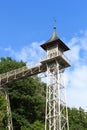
x=27, y=98
x=77, y=119
x=27, y=102
x=7, y=64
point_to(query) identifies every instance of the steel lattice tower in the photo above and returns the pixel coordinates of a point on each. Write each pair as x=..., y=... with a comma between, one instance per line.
x=56, y=117
x=55, y=62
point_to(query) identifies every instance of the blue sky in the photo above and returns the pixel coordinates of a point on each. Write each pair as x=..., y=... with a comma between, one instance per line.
x=24, y=25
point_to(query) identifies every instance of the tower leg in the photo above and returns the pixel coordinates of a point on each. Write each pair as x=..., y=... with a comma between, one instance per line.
x=10, y=125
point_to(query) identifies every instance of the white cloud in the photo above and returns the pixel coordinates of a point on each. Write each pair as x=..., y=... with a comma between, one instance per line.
x=77, y=75
x=30, y=53
x=8, y=49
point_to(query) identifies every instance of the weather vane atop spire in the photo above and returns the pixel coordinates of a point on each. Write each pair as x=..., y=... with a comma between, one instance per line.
x=54, y=22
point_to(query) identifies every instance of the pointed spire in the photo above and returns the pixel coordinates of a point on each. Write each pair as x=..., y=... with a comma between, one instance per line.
x=54, y=40
x=54, y=36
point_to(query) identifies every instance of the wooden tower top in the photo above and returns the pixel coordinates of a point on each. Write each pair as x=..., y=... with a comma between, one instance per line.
x=55, y=40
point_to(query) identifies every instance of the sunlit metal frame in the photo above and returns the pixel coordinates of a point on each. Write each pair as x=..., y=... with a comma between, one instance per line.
x=9, y=114
x=56, y=116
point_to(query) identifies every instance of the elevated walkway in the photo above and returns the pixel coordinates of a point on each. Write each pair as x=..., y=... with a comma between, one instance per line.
x=21, y=73
x=33, y=69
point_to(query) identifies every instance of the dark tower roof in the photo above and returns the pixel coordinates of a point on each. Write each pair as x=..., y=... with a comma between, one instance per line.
x=54, y=36
x=54, y=40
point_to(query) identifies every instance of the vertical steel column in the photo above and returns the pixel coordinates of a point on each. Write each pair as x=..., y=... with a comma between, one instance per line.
x=10, y=125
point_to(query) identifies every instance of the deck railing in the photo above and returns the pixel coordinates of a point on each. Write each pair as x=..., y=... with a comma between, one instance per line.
x=52, y=56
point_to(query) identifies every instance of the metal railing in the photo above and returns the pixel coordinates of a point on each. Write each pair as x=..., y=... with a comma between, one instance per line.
x=52, y=56
x=14, y=74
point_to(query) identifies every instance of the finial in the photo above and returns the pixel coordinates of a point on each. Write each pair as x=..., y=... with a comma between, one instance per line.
x=54, y=22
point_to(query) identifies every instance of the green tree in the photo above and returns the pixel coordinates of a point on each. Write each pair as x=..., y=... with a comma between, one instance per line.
x=37, y=126
x=3, y=112
x=27, y=97
x=77, y=119
x=7, y=64
x=27, y=101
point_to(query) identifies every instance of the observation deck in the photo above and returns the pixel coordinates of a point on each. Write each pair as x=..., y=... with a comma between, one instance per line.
x=63, y=61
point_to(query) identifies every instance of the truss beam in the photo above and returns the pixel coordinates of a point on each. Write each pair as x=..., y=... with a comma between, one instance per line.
x=21, y=73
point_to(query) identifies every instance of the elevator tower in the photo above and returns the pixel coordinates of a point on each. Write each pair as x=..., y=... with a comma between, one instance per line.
x=55, y=62
x=56, y=117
